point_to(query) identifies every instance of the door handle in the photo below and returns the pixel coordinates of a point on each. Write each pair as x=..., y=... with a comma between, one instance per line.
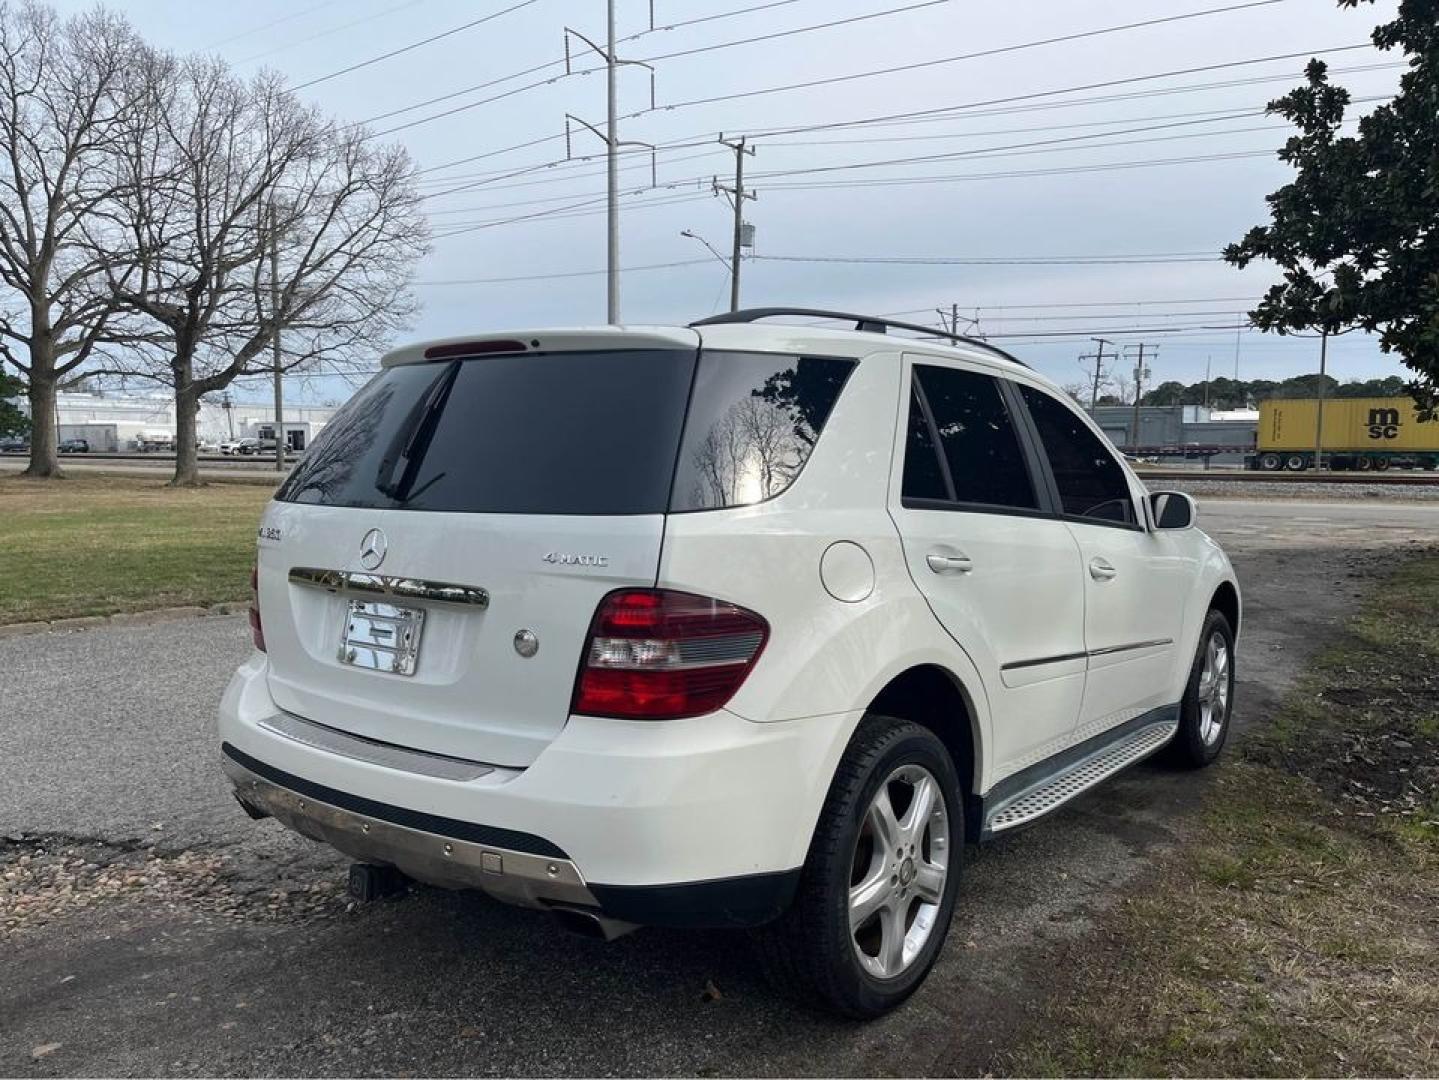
x=950, y=564
x=1101, y=569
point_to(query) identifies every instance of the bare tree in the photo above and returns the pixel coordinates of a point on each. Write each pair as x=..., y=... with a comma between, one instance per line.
x=248, y=215
x=66, y=98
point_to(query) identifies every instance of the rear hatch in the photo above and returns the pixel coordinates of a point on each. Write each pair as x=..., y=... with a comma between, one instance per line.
x=428, y=573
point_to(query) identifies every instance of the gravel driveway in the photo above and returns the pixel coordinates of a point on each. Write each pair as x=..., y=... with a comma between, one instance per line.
x=147, y=927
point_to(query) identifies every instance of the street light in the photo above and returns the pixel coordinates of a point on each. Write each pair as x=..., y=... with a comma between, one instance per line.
x=696, y=236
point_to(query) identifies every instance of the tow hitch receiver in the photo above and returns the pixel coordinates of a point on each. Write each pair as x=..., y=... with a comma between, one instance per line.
x=371, y=882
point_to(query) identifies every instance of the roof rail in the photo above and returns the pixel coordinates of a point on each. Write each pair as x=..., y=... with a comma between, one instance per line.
x=867, y=323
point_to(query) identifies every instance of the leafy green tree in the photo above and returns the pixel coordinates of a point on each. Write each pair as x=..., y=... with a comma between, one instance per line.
x=1355, y=232
x=1166, y=393
x=12, y=420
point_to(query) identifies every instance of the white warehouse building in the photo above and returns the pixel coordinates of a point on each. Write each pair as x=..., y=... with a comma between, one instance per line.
x=129, y=421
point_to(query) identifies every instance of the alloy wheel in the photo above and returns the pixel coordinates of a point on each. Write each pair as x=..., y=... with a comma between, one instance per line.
x=898, y=871
x=1214, y=689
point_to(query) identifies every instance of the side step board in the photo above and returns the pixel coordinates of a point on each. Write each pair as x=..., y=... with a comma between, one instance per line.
x=1053, y=791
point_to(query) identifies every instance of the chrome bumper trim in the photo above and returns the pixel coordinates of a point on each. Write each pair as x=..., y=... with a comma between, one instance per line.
x=513, y=876
x=395, y=588
x=372, y=752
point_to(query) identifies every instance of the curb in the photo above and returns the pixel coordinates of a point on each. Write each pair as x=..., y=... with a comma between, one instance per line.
x=124, y=618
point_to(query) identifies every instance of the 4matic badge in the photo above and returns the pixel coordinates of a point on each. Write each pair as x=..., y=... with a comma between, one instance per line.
x=558, y=558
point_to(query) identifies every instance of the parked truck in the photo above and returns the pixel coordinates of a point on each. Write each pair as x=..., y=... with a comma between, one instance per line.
x=1359, y=433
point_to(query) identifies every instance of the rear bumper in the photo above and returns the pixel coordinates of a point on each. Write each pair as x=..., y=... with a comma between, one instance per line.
x=700, y=822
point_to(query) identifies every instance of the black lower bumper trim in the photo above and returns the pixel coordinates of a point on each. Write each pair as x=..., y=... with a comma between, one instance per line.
x=752, y=900
x=489, y=835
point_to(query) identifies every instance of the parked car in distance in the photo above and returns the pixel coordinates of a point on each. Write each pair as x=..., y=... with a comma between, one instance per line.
x=230, y=446
x=727, y=625
x=247, y=447
x=74, y=446
x=15, y=445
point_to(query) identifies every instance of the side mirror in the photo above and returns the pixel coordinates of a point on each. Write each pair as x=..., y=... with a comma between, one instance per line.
x=1173, y=510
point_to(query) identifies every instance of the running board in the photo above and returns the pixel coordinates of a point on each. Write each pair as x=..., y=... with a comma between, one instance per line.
x=1053, y=791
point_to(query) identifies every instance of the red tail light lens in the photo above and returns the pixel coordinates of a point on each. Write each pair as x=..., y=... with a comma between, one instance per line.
x=656, y=654
x=257, y=631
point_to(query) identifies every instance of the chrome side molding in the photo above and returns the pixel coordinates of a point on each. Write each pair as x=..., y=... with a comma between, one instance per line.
x=395, y=588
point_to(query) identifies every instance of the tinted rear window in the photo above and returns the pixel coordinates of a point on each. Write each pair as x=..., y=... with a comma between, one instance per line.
x=753, y=420
x=563, y=433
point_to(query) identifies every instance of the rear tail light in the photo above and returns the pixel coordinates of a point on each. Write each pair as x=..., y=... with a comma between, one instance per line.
x=655, y=654
x=257, y=631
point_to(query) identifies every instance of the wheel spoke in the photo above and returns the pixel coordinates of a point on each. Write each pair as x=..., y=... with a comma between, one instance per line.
x=891, y=945
x=883, y=822
x=920, y=808
x=868, y=897
x=929, y=882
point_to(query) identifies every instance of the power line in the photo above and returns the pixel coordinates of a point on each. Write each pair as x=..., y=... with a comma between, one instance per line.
x=986, y=107
x=273, y=22
x=1000, y=260
x=980, y=105
x=997, y=51
x=327, y=33
x=648, y=60
x=562, y=275
x=560, y=62
x=1017, y=149
x=1068, y=170
x=416, y=44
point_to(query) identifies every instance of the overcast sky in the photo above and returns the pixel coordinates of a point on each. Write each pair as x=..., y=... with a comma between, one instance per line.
x=1021, y=201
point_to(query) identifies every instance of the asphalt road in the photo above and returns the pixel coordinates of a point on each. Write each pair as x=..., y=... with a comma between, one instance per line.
x=178, y=937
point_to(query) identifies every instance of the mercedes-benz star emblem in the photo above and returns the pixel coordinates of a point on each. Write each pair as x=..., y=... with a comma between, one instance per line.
x=372, y=549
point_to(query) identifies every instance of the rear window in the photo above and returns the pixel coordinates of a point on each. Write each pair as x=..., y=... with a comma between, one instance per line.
x=560, y=433
x=754, y=419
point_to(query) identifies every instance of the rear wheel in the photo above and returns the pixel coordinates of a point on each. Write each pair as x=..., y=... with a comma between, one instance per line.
x=1381, y=464
x=1270, y=462
x=878, y=888
x=1296, y=463
x=1208, y=697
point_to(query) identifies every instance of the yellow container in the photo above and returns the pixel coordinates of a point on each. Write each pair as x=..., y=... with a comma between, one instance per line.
x=1350, y=424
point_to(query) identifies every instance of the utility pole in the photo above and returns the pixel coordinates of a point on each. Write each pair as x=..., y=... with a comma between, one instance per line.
x=1319, y=416
x=1098, y=371
x=1140, y=371
x=275, y=339
x=736, y=195
x=950, y=322
x=610, y=137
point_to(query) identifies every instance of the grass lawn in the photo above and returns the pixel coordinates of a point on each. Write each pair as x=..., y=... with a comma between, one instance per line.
x=1299, y=933
x=96, y=545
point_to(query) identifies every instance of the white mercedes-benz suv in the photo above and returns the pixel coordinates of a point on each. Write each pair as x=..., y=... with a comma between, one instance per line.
x=731, y=625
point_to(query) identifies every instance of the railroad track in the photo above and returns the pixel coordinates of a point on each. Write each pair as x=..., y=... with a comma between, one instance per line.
x=1243, y=476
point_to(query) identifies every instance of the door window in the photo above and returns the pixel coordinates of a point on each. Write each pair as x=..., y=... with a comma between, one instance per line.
x=981, y=461
x=1091, y=483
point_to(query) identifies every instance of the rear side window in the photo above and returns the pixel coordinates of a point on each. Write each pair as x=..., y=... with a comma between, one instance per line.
x=1091, y=482
x=981, y=455
x=754, y=419
x=560, y=433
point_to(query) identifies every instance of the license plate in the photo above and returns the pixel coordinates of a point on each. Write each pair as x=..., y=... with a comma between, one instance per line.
x=382, y=637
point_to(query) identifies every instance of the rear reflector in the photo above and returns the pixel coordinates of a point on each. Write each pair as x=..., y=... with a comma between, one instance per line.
x=257, y=630
x=656, y=654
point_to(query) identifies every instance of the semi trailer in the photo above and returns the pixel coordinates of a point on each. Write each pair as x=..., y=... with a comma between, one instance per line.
x=1359, y=433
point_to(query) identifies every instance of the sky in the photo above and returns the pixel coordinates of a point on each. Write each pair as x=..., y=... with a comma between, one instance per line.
x=1056, y=156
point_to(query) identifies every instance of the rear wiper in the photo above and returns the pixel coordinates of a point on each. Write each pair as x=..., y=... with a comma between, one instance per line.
x=401, y=463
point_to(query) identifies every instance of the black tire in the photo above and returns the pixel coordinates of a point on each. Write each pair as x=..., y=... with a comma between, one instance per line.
x=809, y=952
x=1189, y=748
x=1271, y=462
x=1296, y=463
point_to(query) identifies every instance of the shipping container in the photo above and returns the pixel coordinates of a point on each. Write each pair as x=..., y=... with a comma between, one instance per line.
x=1359, y=433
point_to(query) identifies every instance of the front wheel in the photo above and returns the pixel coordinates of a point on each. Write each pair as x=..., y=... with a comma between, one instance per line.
x=878, y=887
x=1208, y=699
